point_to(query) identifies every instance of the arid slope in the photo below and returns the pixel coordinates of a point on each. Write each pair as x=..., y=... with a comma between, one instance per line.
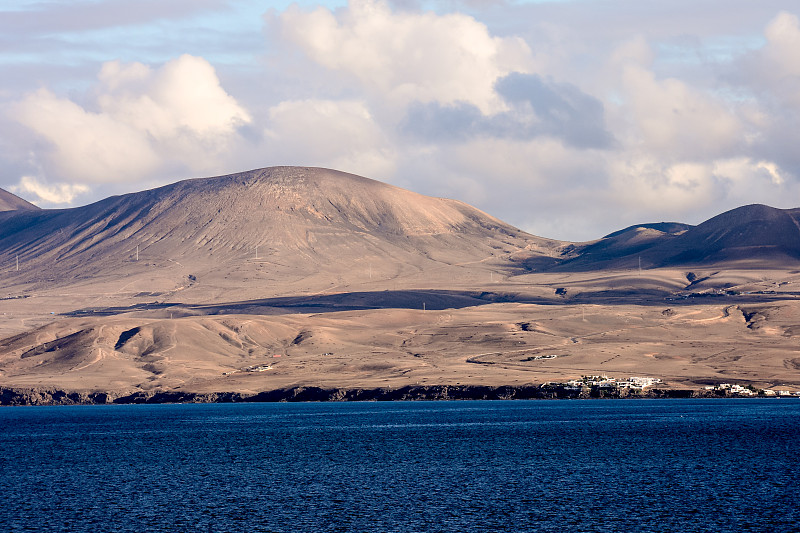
x=281, y=224
x=295, y=276
x=755, y=236
x=11, y=202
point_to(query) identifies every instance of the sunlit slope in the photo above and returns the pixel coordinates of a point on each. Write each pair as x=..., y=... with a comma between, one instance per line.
x=288, y=221
x=11, y=202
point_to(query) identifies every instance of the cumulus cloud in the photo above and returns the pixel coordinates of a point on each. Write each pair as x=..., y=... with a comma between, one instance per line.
x=182, y=97
x=742, y=173
x=408, y=56
x=565, y=118
x=86, y=146
x=649, y=182
x=143, y=119
x=644, y=129
x=674, y=120
x=778, y=63
x=329, y=133
x=652, y=188
x=536, y=107
x=48, y=194
x=560, y=109
x=770, y=77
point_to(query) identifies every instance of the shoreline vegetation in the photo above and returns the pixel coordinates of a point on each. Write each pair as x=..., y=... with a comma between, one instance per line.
x=10, y=396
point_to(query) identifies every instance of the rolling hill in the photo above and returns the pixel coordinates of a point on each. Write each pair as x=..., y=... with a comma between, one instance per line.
x=292, y=277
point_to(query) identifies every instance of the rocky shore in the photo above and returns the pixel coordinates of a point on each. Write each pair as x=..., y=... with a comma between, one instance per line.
x=45, y=396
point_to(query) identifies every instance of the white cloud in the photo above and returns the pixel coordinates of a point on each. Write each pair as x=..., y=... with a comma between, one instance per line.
x=570, y=119
x=531, y=183
x=783, y=44
x=675, y=141
x=676, y=121
x=408, y=56
x=647, y=182
x=328, y=133
x=182, y=97
x=48, y=194
x=145, y=119
x=652, y=188
x=775, y=173
x=635, y=51
x=747, y=176
x=775, y=68
x=86, y=146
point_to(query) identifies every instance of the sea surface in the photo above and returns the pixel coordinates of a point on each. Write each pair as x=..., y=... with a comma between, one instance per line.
x=594, y=465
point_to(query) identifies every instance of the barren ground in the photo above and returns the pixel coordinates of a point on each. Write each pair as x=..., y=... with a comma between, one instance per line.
x=294, y=276
x=237, y=332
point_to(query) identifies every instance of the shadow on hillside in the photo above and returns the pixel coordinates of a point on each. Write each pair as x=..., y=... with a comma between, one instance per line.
x=431, y=300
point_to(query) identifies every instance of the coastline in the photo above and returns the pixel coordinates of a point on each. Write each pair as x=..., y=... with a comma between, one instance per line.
x=10, y=396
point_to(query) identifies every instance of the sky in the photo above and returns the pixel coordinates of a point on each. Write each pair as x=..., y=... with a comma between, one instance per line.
x=569, y=119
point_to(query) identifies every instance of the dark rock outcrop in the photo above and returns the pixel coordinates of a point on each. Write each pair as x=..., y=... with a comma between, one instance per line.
x=37, y=396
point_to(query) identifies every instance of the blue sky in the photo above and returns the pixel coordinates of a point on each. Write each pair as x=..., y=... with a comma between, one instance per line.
x=568, y=118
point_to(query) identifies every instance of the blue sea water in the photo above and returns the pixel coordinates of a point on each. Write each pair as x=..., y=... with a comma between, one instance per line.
x=596, y=465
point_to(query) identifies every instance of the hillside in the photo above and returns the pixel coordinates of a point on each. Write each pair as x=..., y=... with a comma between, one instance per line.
x=284, y=223
x=304, y=277
x=754, y=235
x=11, y=202
x=617, y=249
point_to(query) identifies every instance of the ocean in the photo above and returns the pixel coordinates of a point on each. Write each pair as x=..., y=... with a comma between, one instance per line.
x=493, y=466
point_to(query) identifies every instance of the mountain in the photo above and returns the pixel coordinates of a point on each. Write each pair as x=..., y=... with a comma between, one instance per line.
x=621, y=245
x=10, y=202
x=752, y=235
x=281, y=223
x=295, y=277
x=329, y=228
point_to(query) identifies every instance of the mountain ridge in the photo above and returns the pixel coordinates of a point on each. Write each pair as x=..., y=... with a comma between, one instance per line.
x=318, y=217
x=299, y=217
x=756, y=235
x=293, y=276
x=12, y=202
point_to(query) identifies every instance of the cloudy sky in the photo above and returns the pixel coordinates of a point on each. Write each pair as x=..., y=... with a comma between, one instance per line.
x=569, y=119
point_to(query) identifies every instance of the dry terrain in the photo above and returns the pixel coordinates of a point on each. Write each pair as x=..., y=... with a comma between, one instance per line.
x=286, y=277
